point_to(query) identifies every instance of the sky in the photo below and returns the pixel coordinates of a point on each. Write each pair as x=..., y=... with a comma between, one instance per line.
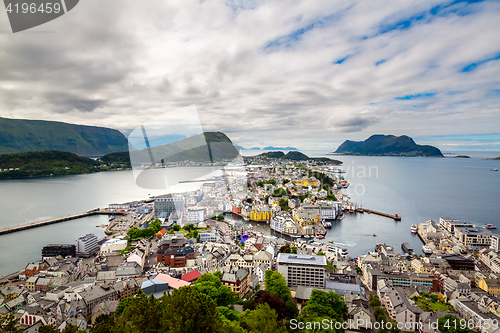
x=308, y=74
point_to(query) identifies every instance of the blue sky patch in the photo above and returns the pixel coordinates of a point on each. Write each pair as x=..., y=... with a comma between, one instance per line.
x=408, y=97
x=474, y=65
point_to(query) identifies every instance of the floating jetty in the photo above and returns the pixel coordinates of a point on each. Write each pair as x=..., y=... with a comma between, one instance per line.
x=31, y=225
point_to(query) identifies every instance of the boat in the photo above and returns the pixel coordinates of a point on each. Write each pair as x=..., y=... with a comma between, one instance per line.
x=327, y=224
x=306, y=236
x=426, y=249
x=489, y=226
x=374, y=235
x=320, y=236
x=330, y=241
x=407, y=248
x=494, y=169
x=413, y=228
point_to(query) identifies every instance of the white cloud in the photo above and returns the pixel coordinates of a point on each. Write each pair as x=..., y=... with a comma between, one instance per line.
x=120, y=63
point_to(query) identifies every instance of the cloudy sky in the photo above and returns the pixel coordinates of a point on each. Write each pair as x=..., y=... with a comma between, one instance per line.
x=308, y=74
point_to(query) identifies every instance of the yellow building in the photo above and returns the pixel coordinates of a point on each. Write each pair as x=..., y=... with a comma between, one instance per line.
x=307, y=182
x=421, y=267
x=491, y=286
x=260, y=214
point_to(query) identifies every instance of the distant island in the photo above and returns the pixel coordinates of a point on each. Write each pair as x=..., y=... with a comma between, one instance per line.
x=22, y=135
x=267, y=148
x=496, y=158
x=461, y=156
x=279, y=148
x=387, y=145
x=296, y=156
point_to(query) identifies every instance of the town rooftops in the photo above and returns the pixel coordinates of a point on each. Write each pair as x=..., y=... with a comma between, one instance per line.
x=301, y=259
x=172, y=282
x=193, y=275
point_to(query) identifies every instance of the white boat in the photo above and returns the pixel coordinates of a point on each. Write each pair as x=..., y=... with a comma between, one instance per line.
x=414, y=228
x=426, y=249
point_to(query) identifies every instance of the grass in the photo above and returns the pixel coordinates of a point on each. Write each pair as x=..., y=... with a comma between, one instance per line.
x=432, y=304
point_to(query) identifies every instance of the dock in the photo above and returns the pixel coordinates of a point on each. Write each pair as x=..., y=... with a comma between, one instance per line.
x=31, y=225
x=396, y=217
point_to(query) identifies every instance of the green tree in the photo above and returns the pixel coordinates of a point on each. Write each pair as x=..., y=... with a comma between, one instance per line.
x=8, y=324
x=211, y=285
x=188, y=310
x=276, y=285
x=104, y=323
x=374, y=301
x=261, y=320
x=325, y=304
x=451, y=324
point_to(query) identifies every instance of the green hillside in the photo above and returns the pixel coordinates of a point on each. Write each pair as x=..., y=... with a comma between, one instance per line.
x=45, y=163
x=21, y=135
x=388, y=145
x=195, y=148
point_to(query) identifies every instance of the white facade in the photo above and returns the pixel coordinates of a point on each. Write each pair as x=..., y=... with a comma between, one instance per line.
x=113, y=245
x=86, y=244
x=196, y=215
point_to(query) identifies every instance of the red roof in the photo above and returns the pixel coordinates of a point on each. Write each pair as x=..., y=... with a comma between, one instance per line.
x=162, y=231
x=191, y=276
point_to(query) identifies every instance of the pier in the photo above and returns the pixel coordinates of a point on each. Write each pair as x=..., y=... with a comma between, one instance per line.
x=369, y=211
x=31, y=225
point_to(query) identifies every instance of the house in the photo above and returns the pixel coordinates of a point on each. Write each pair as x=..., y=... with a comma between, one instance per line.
x=191, y=276
x=172, y=282
x=491, y=286
x=237, y=279
x=400, y=309
x=96, y=294
x=34, y=268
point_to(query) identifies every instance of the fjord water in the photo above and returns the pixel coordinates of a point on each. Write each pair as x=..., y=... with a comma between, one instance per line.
x=416, y=188
x=28, y=200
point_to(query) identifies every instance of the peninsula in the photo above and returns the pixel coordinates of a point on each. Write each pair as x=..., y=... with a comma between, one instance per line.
x=387, y=145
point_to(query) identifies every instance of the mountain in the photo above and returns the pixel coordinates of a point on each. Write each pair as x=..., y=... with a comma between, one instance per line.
x=296, y=156
x=279, y=148
x=387, y=145
x=21, y=135
x=158, y=140
x=194, y=148
x=44, y=163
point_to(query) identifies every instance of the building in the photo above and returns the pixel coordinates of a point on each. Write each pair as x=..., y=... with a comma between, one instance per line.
x=114, y=245
x=87, y=245
x=491, y=286
x=237, y=279
x=459, y=262
x=165, y=205
x=54, y=250
x=472, y=237
x=196, y=215
x=302, y=270
x=495, y=243
x=175, y=258
x=450, y=224
x=400, y=309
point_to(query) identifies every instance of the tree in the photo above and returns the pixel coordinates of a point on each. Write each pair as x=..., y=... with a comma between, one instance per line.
x=104, y=323
x=219, y=218
x=176, y=227
x=374, y=301
x=211, y=285
x=320, y=253
x=325, y=304
x=451, y=324
x=8, y=324
x=261, y=320
x=276, y=285
x=188, y=310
